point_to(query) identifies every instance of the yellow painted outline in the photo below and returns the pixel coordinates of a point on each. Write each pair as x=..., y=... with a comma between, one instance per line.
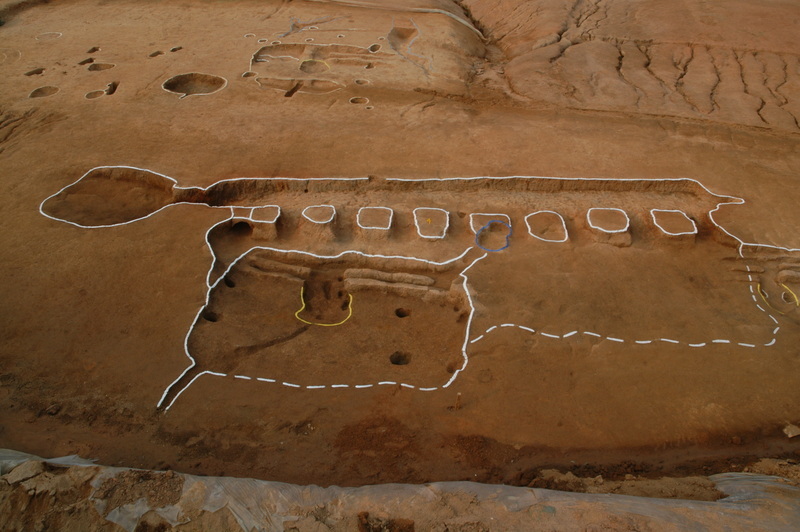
x=303, y=301
x=796, y=300
x=764, y=299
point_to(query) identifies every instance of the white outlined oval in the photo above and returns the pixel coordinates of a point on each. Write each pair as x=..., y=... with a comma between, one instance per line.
x=322, y=219
x=670, y=233
x=563, y=226
x=418, y=216
x=363, y=226
x=266, y=213
x=612, y=231
x=491, y=216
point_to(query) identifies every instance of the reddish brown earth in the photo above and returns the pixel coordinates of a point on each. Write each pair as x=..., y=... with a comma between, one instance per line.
x=94, y=319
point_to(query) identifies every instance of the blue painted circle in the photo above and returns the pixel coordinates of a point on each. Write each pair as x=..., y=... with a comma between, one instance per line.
x=482, y=229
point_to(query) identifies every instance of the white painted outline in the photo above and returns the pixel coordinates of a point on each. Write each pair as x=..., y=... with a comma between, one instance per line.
x=176, y=187
x=211, y=287
x=274, y=220
x=51, y=36
x=726, y=200
x=320, y=222
x=623, y=230
x=362, y=226
x=493, y=217
x=563, y=225
x=184, y=95
x=663, y=230
x=419, y=229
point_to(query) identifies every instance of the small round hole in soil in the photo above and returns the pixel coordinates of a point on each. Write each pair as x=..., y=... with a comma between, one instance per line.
x=43, y=92
x=362, y=81
x=369, y=65
x=359, y=100
x=248, y=74
x=93, y=94
x=242, y=229
x=402, y=312
x=369, y=108
x=97, y=67
x=156, y=53
x=210, y=316
x=262, y=41
x=340, y=36
x=177, y=48
x=230, y=283
x=93, y=50
x=374, y=48
x=314, y=66
x=309, y=40
x=399, y=358
x=787, y=297
x=275, y=42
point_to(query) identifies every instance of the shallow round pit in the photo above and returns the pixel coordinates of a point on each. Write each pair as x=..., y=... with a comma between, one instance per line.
x=194, y=83
x=96, y=67
x=242, y=228
x=93, y=94
x=248, y=74
x=359, y=100
x=362, y=81
x=402, y=312
x=49, y=36
x=374, y=48
x=43, y=92
x=314, y=66
x=400, y=358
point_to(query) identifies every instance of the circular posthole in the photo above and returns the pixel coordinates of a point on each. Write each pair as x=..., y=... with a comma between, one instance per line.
x=494, y=236
x=788, y=298
x=248, y=74
x=249, y=35
x=340, y=36
x=49, y=36
x=211, y=316
x=93, y=50
x=96, y=67
x=362, y=81
x=156, y=53
x=242, y=228
x=275, y=42
x=230, y=283
x=93, y=94
x=43, y=92
x=359, y=100
x=314, y=66
x=369, y=108
x=194, y=83
x=309, y=40
x=402, y=312
x=374, y=48
x=399, y=358
x=262, y=41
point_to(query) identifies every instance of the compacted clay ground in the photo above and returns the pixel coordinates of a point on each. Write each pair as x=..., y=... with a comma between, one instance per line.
x=614, y=322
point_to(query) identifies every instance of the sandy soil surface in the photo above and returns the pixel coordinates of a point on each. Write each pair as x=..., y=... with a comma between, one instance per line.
x=192, y=281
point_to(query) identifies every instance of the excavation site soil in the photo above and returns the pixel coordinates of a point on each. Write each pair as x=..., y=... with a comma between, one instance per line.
x=348, y=243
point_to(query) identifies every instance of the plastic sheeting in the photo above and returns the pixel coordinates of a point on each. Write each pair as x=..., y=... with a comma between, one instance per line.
x=753, y=502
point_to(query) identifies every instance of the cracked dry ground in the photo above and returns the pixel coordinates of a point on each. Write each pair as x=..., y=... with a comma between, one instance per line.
x=94, y=320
